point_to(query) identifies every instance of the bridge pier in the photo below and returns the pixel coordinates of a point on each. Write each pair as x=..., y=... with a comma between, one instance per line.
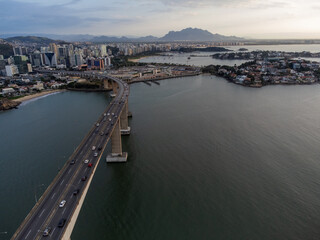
x=114, y=87
x=116, y=146
x=107, y=84
x=125, y=129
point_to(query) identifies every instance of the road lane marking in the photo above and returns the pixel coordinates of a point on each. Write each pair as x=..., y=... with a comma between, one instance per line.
x=53, y=195
x=64, y=210
x=41, y=213
x=69, y=170
x=53, y=231
x=70, y=197
x=61, y=182
x=28, y=234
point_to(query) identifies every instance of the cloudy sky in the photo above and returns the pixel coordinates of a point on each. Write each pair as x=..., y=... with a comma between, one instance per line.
x=243, y=18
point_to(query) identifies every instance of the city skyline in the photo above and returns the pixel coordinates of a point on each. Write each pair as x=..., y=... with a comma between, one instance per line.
x=245, y=18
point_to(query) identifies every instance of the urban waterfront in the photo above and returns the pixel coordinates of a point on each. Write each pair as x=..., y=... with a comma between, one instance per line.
x=207, y=160
x=204, y=58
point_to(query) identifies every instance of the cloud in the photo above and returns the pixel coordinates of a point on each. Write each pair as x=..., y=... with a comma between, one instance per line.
x=32, y=17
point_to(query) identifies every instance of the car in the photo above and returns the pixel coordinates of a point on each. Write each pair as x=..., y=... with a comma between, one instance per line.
x=86, y=161
x=107, y=133
x=110, y=119
x=75, y=192
x=108, y=114
x=90, y=165
x=93, y=148
x=61, y=222
x=84, y=178
x=63, y=202
x=72, y=162
x=112, y=114
x=46, y=231
x=99, y=148
x=95, y=154
x=101, y=133
x=97, y=124
x=104, y=114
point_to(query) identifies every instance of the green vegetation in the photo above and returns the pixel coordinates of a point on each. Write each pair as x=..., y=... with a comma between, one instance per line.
x=84, y=85
x=6, y=50
x=123, y=61
x=33, y=39
x=15, y=97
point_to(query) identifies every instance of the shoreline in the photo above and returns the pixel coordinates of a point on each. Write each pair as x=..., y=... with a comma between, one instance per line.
x=136, y=60
x=36, y=95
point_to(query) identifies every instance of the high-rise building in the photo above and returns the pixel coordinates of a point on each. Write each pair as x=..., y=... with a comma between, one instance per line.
x=12, y=70
x=50, y=59
x=103, y=50
x=21, y=62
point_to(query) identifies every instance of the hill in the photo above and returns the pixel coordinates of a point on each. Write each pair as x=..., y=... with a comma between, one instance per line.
x=196, y=34
x=32, y=40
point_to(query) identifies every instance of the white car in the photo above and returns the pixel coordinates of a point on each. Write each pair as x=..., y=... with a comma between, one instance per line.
x=86, y=161
x=95, y=154
x=63, y=202
x=93, y=148
x=104, y=114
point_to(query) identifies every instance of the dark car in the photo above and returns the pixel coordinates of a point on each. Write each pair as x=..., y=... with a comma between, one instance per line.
x=46, y=231
x=61, y=222
x=99, y=148
x=72, y=162
x=75, y=192
x=84, y=178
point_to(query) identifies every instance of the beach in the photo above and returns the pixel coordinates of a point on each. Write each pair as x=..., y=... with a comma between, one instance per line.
x=36, y=95
x=137, y=59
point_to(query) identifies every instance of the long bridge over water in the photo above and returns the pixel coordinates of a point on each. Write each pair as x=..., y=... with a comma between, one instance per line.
x=74, y=179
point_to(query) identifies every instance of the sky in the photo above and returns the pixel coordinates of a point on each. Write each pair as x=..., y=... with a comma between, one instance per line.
x=243, y=18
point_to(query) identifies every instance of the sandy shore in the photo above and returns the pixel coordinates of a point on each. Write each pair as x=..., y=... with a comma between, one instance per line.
x=36, y=95
x=137, y=59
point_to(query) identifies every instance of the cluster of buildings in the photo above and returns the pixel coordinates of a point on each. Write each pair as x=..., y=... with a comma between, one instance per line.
x=153, y=72
x=58, y=56
x=285, y=71
x=27, y=84
x=261, y=55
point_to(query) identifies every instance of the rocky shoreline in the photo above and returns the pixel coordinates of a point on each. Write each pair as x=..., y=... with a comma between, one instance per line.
x=6, y=104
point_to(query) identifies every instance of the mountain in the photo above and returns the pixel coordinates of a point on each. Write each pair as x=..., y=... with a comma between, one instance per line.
x=196, y=34
x=188, y=34
x=32, y=40
x=124, y=39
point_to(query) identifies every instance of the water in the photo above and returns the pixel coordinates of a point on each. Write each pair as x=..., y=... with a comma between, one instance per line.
x=35, y=142
x=204, y=59
x=207, y=160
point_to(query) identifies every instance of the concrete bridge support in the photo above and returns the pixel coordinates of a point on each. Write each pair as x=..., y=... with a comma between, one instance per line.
x=114, y=87
x=116, y=146
x=125, y=129
x=107, y=84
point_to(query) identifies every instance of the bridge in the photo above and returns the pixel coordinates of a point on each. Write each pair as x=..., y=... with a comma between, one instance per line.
x=74, y=179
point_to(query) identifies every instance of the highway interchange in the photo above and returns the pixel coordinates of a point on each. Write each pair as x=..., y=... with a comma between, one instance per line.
x=47, y=212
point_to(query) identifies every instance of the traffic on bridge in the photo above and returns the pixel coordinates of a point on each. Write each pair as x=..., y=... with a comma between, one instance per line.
x=55, y=214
